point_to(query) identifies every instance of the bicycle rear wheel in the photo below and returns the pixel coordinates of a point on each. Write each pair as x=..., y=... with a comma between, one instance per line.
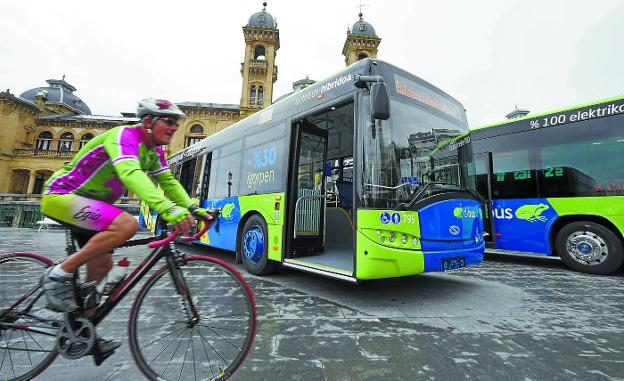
x=166, y=345
x=27, y=328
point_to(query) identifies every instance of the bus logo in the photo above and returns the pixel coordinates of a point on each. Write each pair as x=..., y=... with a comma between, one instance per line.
x=532, y=213
x=227, y=211
x=454, y=229
x=385, y=218
x=460, y=212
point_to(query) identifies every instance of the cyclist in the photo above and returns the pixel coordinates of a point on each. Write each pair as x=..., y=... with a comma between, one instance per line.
x=81, y=195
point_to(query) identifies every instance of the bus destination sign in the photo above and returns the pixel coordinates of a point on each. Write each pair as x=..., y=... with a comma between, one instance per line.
x=425, y=96
x=577, y=115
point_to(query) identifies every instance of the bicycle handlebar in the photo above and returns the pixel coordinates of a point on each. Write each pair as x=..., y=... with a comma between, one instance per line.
x=170, y=238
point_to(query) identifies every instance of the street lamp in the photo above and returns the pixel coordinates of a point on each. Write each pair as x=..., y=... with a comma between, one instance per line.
x=229, y=184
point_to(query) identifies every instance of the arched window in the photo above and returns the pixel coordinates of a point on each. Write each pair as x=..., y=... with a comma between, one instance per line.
x=196, y=133
x=197, y=129
x=252, y=95
x=85, y=139
x=361, y=56
x=44, y=140
x=65, y=142
x=259, y=53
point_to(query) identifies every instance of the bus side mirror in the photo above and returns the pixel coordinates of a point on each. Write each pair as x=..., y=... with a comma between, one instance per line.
x=380, y=100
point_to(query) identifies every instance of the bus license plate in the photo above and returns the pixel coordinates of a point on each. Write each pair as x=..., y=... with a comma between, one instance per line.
x=453, y=263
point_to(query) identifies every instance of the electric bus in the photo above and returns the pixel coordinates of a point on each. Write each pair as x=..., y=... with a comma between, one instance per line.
x=554, y=184
x=332, y=180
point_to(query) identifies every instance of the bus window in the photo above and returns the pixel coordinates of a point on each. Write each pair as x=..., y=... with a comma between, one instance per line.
x=573, y=161
x=203, y=193
x=512, y=175
x=228, y=167
x=263, y=168
x=187, y=175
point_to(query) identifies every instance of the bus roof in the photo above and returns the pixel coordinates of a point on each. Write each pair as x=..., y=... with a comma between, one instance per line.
x=305, y=99
x=510, y=121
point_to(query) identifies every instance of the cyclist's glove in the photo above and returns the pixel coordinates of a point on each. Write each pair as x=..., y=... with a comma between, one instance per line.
x=176, y=214
x=205, y=213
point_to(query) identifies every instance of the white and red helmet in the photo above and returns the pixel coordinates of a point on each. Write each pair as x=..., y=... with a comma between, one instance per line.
x=157, y=108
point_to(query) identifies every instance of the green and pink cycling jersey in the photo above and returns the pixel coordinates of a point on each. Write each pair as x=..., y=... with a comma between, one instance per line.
x=82, y=192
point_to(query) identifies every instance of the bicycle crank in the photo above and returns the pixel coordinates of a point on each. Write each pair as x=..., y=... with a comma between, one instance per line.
x=73, y=343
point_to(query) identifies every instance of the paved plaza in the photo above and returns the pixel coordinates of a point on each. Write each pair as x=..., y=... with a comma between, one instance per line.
x=508, y=319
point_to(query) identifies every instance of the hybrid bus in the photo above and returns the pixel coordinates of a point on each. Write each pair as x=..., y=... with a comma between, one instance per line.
x=554, y=183
x=330, y=180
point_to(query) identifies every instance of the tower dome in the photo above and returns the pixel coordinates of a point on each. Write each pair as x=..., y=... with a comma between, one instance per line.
x=262, y=19
x=362, y=28
x=60, y=92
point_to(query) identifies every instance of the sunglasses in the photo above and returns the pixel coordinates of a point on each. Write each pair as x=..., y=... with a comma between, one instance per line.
x=170, y=121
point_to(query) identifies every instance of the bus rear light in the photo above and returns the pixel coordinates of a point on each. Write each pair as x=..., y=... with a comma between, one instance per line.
x=497, y=234
x=278, y=197
x=275, y=247
x=277, y=206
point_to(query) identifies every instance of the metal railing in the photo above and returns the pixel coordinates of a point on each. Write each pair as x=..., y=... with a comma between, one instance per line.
x=24, y=210
x=43, y=153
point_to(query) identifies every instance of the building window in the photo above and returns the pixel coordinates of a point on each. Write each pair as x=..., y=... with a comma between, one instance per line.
x=39, y=181
x=65, y=143
x=252, y=95
x=85, y=139
x=259, y=53
x=260, y=95
x=192, y=140
x=361, y=56
x=196, y=133
x=197, y=129
x=44, y=140
x=256, y=95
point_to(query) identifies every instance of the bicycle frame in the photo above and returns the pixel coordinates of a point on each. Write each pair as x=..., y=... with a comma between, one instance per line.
x=164, y=247
x=121, y=290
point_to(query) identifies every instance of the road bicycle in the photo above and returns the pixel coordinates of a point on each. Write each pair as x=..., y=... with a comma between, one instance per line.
x=193, y=319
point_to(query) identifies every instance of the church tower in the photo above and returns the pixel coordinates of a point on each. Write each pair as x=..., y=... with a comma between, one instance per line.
x=259, y=70
x=362, y=42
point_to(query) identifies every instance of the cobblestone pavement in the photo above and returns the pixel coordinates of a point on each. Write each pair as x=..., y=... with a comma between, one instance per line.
x=512, y=319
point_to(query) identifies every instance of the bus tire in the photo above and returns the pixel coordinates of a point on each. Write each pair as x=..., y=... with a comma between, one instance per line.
x=589, y=247
x=254, y=247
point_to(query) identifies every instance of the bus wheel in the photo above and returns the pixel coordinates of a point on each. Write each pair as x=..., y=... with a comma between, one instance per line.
x=589, y=247
x=254, y=247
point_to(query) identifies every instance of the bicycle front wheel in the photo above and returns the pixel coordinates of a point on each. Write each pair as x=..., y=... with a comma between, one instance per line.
x=27, y=328
x=166, y=344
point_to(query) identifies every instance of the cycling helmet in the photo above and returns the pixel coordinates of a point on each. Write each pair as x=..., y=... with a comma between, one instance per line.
x=158, y=107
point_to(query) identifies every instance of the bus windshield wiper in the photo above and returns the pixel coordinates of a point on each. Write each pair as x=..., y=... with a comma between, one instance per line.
x=444, y=188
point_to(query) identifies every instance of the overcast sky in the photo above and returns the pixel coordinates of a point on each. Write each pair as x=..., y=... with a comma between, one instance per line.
x=491, y=55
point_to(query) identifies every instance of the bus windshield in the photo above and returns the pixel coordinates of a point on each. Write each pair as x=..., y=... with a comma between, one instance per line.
x=397, y=154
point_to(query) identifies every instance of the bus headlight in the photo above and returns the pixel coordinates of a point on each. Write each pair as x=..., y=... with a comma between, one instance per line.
x=404, y=239
x=391, y=236
x=415, y=241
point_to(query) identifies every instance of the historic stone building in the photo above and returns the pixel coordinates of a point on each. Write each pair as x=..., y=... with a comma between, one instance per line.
x=44, y=127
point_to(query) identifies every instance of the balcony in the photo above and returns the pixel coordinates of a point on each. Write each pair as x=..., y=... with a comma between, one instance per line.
x=44, y=153
x=258, y=64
